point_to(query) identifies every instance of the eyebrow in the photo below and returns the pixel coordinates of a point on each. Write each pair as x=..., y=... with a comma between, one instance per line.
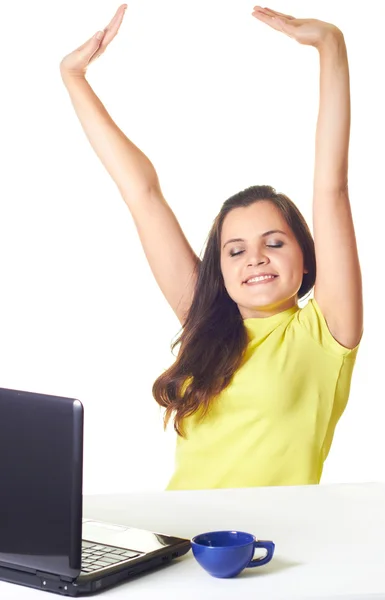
x=262, y=235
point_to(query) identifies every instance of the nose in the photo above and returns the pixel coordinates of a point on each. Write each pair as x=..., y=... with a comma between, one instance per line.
x=257, y=257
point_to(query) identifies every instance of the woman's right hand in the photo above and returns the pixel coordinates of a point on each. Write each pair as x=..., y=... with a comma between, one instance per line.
x=76, y=63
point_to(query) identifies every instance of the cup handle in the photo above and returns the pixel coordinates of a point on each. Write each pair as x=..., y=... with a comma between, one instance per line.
x=269, y=547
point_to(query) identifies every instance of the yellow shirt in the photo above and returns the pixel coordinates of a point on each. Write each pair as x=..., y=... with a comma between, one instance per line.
x=274, y=423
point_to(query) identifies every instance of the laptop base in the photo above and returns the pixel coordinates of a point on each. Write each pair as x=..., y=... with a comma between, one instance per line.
x=52, y=583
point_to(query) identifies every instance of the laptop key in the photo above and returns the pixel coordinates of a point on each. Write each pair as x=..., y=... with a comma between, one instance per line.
x=129, y=554
x=99, y=565
x=109, y=560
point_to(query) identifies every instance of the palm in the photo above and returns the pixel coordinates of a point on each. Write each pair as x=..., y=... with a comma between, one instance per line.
x=309, y=32
x=78, y=61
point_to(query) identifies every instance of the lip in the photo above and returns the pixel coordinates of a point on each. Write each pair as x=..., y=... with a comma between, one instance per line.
x=262, y=281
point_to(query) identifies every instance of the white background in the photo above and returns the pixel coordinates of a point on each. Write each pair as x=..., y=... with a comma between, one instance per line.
x=218, y=101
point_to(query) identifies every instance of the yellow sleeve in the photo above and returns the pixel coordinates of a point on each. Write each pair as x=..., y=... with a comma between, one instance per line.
x=313, y=321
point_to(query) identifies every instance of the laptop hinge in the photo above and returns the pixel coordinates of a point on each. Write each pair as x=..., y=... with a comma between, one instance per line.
x=53, y=583
x=65, y=578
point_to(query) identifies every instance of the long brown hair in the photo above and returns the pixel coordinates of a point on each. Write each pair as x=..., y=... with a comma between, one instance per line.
x=213, y=338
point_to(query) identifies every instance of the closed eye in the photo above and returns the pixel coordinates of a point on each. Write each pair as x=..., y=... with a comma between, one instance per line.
x=269, y=246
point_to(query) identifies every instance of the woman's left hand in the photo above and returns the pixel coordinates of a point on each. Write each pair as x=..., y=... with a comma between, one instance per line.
x=310, y=32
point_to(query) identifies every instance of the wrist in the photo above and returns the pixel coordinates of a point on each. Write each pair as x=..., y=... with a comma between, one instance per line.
x=70, y=76
x=332, y=38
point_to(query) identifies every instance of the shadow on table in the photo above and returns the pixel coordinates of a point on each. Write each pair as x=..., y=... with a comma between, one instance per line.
x=276, y=565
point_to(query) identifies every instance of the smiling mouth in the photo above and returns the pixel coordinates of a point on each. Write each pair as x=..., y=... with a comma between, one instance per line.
x=267, y=280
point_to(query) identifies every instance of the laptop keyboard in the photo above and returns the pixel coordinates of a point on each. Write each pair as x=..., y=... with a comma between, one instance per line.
x=98, y=556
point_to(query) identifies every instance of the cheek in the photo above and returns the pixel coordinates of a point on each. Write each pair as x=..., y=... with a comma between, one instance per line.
x=295, y=266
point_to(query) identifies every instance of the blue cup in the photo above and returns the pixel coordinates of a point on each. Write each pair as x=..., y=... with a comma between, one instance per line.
x=227, y=553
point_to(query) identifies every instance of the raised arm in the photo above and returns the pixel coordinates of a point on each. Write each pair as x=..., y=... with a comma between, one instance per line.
x=168, y=252
x=338, y=287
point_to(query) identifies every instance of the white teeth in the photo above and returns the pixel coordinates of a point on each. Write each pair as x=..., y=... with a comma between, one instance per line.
x=260, y=278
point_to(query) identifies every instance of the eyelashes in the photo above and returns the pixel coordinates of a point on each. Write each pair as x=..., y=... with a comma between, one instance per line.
x=269, y=246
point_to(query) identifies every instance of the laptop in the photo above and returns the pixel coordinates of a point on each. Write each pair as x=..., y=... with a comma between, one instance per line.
x=44, y=541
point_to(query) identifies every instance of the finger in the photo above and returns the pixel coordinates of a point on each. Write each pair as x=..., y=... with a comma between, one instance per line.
x=258, y=10
x=268, y=19
x=115, y=21
x=118, y=15
x=111, y=30
x=97, y=50
x=113, y=27
x=275, y=12
x=92, y=42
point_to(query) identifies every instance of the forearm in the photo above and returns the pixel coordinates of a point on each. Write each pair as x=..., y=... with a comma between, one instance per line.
x=333, y=124
x=128, y=166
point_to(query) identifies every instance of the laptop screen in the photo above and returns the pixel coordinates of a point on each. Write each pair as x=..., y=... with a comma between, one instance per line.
x=41, y=452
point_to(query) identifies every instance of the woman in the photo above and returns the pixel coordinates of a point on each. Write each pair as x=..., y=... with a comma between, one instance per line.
x=259, y=384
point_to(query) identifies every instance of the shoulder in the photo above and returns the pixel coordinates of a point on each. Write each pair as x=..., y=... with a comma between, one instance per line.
x=311, y=319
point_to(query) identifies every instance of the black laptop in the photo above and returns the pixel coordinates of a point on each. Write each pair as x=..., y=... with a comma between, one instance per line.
x=44, y=542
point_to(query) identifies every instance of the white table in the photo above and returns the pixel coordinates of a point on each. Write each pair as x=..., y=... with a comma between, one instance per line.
x=330, y=541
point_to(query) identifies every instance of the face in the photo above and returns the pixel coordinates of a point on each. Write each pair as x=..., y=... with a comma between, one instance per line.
x=253, y=253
